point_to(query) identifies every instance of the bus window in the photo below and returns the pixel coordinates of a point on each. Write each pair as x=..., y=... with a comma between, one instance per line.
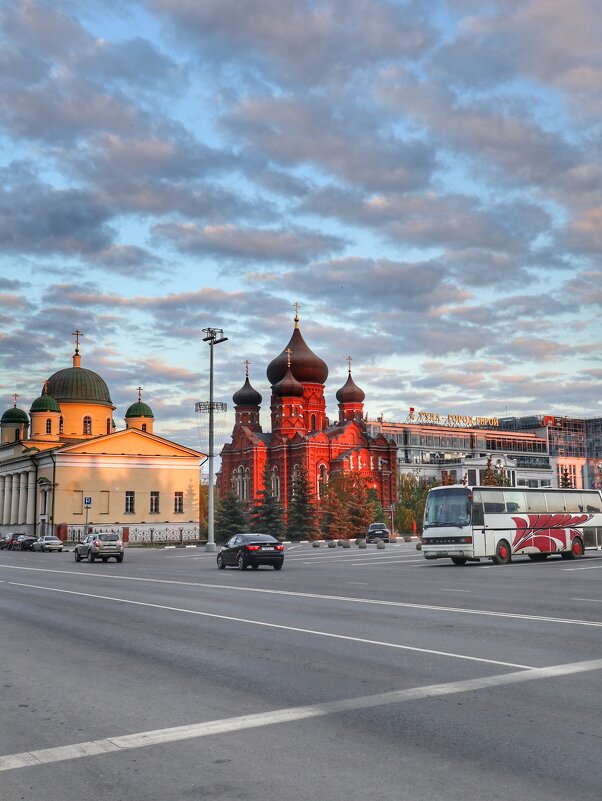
x=477, y=509
x=515, y=501
x=493, y=501
x=592, y=502
x=536, y=501
x=555, y=501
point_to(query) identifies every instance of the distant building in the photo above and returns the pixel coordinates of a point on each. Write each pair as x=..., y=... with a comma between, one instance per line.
x=65, y=466
x=301, y=434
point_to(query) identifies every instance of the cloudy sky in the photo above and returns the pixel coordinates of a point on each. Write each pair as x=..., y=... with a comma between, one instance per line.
x=424, y=178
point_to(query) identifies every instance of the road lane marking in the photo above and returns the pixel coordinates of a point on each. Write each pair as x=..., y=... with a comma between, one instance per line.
x=569, y=569
x=453, y=589
x=319, y=596
x=248, y=621
x=145, y=739
x=589, y=600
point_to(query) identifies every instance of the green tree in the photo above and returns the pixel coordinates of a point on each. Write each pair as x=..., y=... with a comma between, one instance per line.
x=565, y=478
x=410, y=503
x=267, y=515
x=333, y=513
x=346, y=510
x=378, y=513
x=301, y=522
x=230, y=518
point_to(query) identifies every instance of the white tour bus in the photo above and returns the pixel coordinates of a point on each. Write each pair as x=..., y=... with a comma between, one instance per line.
x=473, y=523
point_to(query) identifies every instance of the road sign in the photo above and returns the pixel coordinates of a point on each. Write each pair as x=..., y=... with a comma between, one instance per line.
x=87, y=502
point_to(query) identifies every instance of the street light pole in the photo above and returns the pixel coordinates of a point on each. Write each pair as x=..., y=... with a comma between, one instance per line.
x=213, y=336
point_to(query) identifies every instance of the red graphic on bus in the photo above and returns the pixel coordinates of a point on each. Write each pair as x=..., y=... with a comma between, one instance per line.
x=547, y=532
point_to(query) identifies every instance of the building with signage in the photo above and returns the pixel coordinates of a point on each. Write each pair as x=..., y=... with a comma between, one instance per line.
x=302, y=436
x=65, y=466
x=532, y=451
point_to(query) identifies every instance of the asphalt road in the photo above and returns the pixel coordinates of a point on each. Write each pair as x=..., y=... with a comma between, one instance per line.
x=347, y=675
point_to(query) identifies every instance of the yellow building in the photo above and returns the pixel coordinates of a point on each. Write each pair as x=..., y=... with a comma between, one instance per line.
x=65, y=467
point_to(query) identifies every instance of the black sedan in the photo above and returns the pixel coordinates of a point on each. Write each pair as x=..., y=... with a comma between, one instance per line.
x=24, y=542
x=243, y=550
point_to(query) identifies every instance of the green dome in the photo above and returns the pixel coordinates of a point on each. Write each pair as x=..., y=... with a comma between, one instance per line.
x=45, y=403
x=79, y=384
x=139, y=409
x=15, y=415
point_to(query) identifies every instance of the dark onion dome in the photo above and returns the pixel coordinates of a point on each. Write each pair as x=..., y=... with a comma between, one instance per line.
x=307, y=367
x=350, y=392
x=288, y=386
x=14, y=415
x=139, y=409
x=79, y=384
x=246, y=395
x=45, y=403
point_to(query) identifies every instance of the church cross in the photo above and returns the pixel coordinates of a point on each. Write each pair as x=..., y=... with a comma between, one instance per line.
x=247, y=364
x=139, y=393
x=77, y=334
x=288, y=356
x=349, y=360
x=15, y=396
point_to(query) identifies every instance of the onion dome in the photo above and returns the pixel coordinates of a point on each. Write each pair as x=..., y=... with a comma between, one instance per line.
x=78, y=384
x=306, y=366
x=350, y=392
x=139, y=409
x=246, y=395
x=14, y=415
x=45, y=403
x=288, y=386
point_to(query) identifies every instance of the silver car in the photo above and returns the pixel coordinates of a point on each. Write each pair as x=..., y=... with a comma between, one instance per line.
x=47, y=543
x=100, y=546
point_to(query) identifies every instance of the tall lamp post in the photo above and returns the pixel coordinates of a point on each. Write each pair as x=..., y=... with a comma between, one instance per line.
x=213, y=336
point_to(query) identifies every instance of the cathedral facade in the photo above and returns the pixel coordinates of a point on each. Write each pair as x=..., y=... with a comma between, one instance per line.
x=65, y=466
x=302, y=436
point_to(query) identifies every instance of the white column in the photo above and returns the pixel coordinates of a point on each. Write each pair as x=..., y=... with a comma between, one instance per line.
x=8, y=485
x=22, y=498
x=1, y=500
x=31, y=498
x=14, y=500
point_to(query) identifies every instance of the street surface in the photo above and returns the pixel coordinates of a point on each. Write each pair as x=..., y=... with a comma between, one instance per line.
x=351, y=674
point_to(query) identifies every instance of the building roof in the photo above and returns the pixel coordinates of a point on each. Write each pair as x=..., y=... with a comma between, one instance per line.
x=350, y=392
x=247, y=395
x=15, y=415
x=45, y=403
x=139, y=409
x=78, y=384
x=305, y=365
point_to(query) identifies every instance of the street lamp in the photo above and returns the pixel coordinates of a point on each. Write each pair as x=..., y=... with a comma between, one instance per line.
x=213, y=336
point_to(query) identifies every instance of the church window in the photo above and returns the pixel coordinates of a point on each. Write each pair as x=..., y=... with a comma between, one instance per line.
x=233, y=482
x=240, y=483
x=49, y=426
x=247, y=481
x=295, y=477
x=17, y=435
x=144, y=426
x=154, y=502
x=314, y=424
x=178, y=502
x=322, y=480
x=275, y=483
x=108, y=425
x=87, y=425
x=61, y=424
x=130, y=502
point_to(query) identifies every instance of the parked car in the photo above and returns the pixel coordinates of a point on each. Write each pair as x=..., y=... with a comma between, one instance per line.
x=4, y=540
x=243, y=550
x=100, y=546
x=47, y=543
x=377, y=531
x=11, y=539
x=24, y=542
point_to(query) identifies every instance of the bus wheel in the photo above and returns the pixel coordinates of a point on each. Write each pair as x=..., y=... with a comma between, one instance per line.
x=459, y=560
x=537, y=557
x=502, y=553
x=576, y=551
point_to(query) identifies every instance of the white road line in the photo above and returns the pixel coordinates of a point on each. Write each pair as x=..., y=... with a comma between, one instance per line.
x=192, y=731
x=315, y=595
x=389, y=561
x=453, y=589
x=248, y=621
x=569, y=569
x=589, y=600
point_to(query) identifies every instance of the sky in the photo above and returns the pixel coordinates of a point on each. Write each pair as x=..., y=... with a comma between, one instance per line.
x=423, y=178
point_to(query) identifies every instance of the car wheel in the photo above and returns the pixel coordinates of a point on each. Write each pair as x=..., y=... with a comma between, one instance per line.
x=242, y=565
x=220, y=562
x=105, y=558
x=459, y=560
x=91, y=556
x=255, y=567
x=278, y=566
x=77, y=556
x=502, y=553
x=119, y=558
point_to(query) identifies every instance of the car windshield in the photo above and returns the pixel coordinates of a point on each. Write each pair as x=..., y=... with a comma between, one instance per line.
x=108, y=537
x=52, y=539
x=447, y=507
x=259, y=538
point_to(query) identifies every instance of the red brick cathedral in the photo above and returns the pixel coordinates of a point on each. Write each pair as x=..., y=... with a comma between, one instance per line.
x=302, y=435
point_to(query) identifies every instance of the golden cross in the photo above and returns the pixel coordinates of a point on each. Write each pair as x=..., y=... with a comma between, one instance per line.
x=15, y=396
x=77, y=334
x=288, y=353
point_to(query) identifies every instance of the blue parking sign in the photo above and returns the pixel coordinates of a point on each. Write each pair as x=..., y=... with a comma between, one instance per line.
x=87, y=502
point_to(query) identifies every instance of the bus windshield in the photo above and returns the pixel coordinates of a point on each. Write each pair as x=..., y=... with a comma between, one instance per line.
x=448, y=507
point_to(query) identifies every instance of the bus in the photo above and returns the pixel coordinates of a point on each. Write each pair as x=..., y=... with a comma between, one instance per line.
x=469, y=524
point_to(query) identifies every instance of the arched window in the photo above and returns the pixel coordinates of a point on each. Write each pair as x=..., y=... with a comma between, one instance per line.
x=17, y=435
x=87, y=425
x=108, y=425
x=48, y=426
x=314, y=422
x=144, y=426
x=233, y=482
x=275, y=483
x=247, y=481
x=61, y=424
x=322, y=480
x=241, y=484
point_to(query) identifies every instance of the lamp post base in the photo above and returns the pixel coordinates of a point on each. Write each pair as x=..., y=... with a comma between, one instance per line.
x=210, y=547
